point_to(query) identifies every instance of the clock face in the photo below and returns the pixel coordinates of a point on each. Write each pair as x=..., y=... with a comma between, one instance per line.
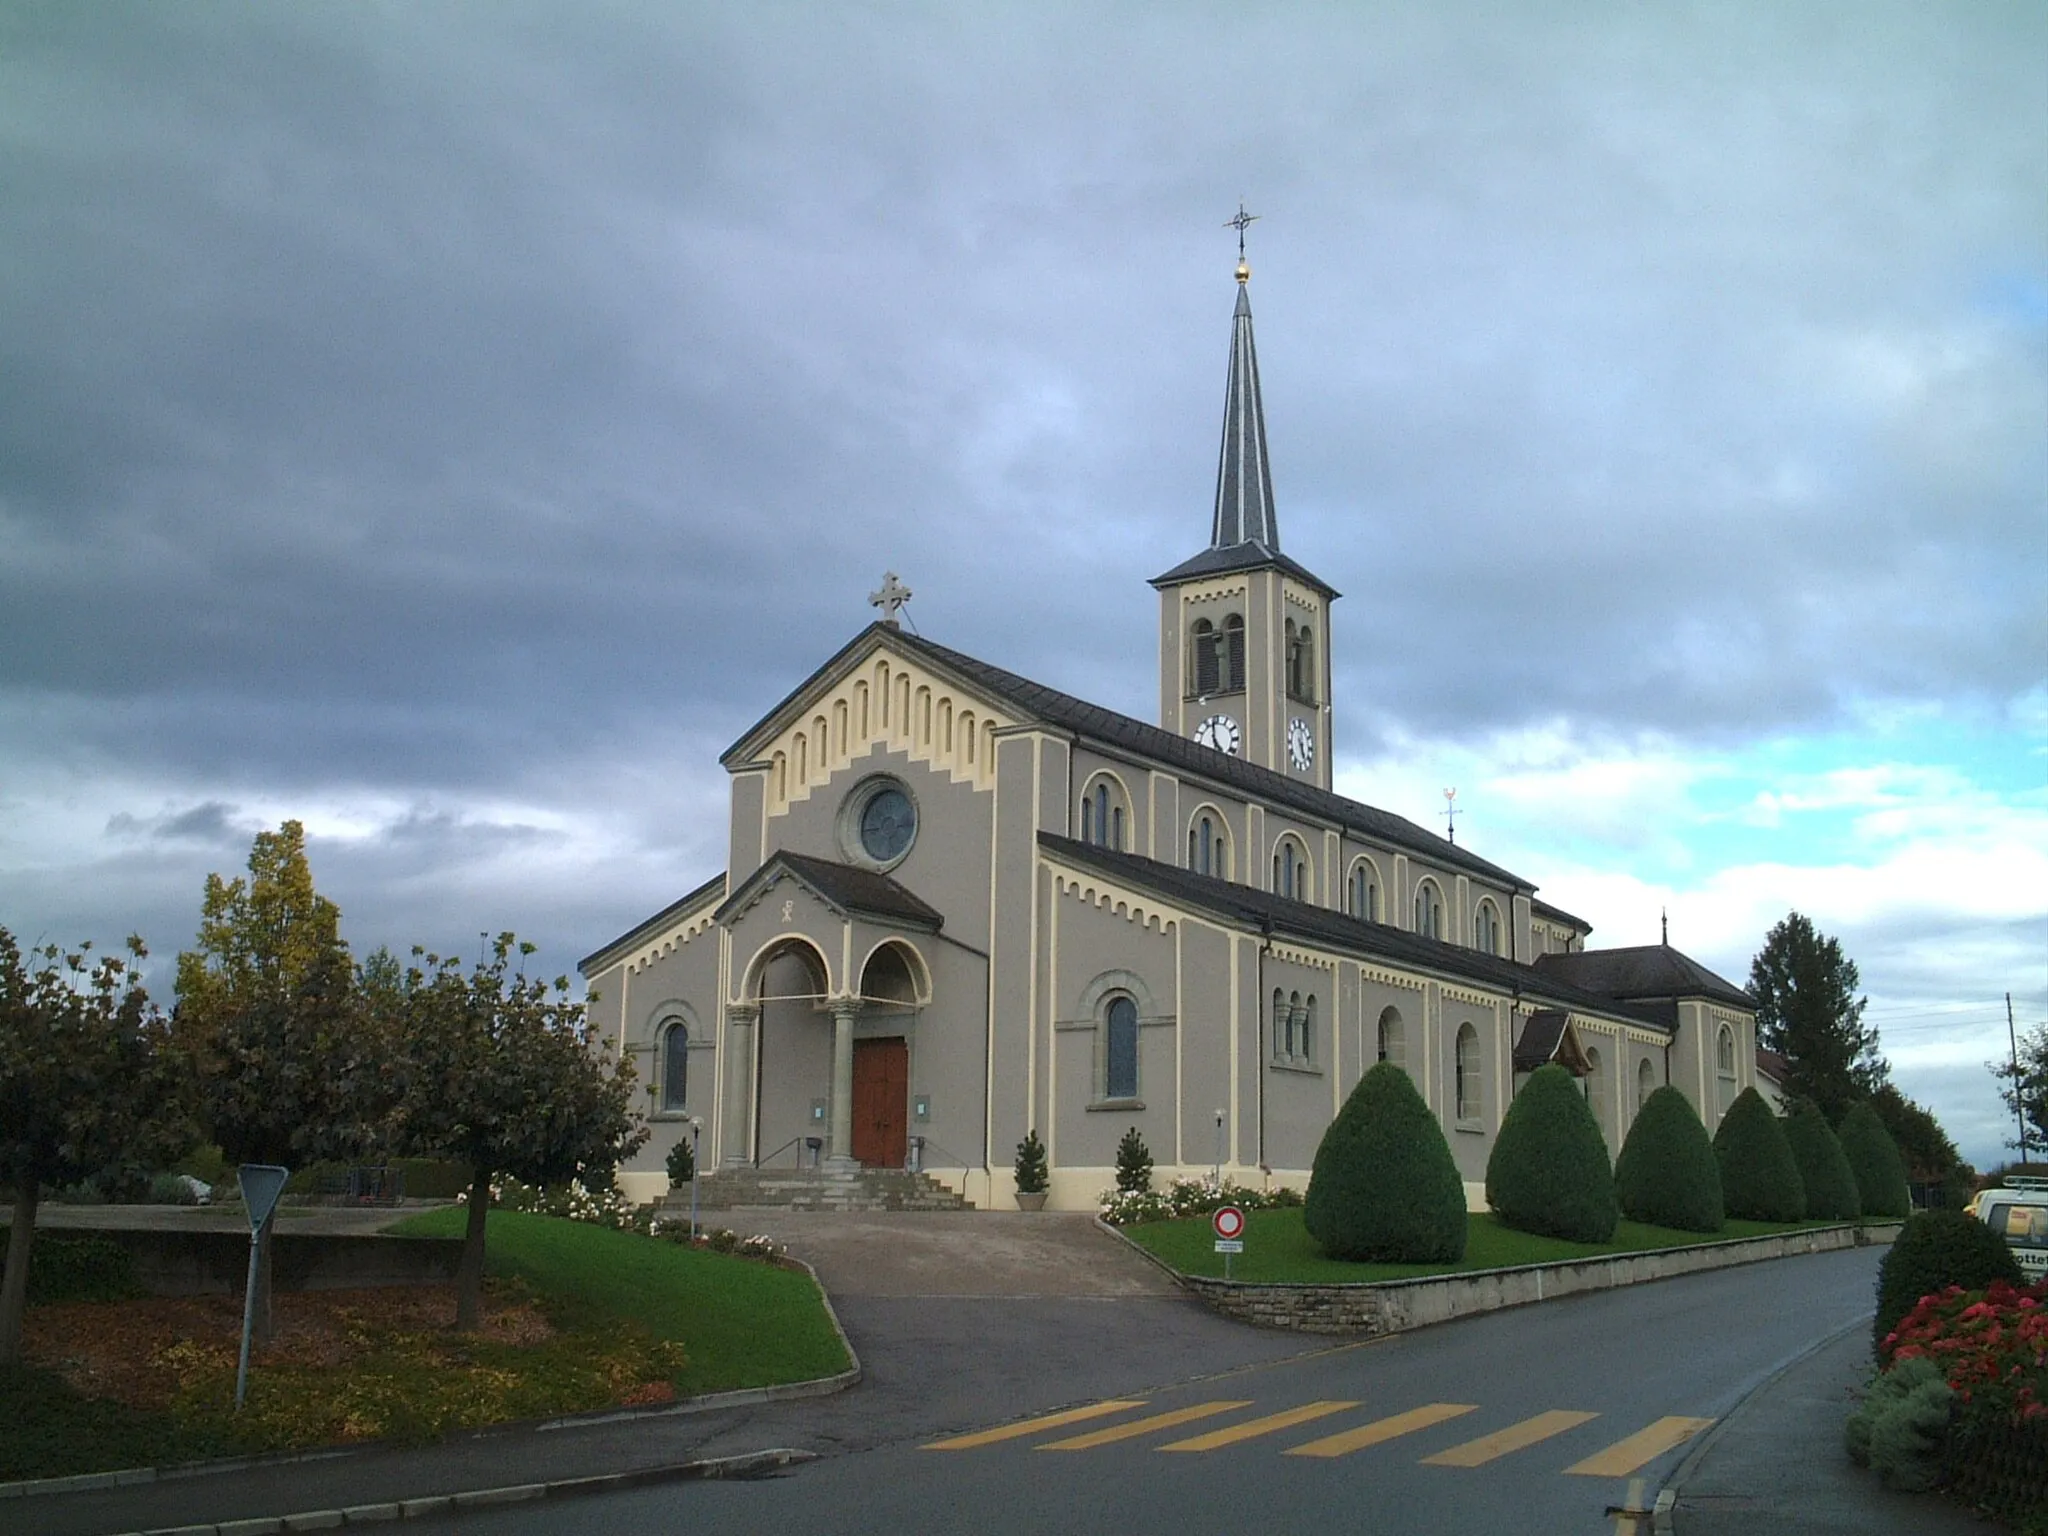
x=1301, y=745
x=1220, y=732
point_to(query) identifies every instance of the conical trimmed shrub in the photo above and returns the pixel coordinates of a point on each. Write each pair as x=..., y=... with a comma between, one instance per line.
x=1549, y=1172
x=1874, y=1159
x=1830, y=1185
x=1384, y=1187
x=1667, y=1174
x=1759, y=1178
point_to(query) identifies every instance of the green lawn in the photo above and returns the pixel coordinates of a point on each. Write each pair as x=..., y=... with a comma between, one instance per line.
x=636, y=1319
x=1278, y=1249
x=741, y=1323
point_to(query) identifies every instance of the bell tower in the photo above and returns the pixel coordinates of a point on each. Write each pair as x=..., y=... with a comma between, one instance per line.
x=1244, y=632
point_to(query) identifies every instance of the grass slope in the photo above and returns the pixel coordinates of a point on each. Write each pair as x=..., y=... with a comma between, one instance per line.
x=1278, y=1248
x=741, y=1323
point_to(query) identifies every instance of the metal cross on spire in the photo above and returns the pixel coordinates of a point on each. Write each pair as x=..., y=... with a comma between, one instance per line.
x=1241, y=223
x=890, y=599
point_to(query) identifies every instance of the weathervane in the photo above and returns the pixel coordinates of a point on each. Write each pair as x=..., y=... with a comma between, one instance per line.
x=1451, y=814
x=1241, y=223
x=890, y=599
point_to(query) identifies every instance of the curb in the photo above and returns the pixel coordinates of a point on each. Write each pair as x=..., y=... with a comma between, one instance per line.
x=1662, y=1522
x=753, y=1464
x=709, y=1402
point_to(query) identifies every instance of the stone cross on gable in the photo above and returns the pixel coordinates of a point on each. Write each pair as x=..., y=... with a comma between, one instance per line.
x=891, y=598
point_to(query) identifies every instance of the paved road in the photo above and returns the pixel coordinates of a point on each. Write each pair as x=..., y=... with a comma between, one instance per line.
x=1535, y=1420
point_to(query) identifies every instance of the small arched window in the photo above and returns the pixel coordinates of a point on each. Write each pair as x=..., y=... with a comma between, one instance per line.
x=1102, y=814
x=1429, y=910
x=1301, y=663
x=1362, y=893
x=1233, y=653
x=1208, y=852
x=1486, y=928
x=1393, y=1041
x=1307, y=1040
x=1469, y=1107
x=1596, y=1090
x=675, y=1065
x=1290, y=870
x=1120, y=1050
x=1724, y=1052
x=1283, y=1026
x=1207, y=668
x=1646, y=1083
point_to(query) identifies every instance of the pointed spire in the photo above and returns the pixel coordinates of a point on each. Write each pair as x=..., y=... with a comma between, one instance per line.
x=1244, y=479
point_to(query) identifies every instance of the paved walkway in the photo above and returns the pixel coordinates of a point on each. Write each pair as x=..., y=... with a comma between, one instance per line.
x=1776, y=1467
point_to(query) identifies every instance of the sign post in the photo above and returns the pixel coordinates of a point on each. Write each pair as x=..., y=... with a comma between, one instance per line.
x=1229, y=1224
x=261, y=1183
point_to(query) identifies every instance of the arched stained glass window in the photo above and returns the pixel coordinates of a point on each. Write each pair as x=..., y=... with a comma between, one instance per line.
x=1120, y=1056
x=675, y=1066
x=1468, y=1073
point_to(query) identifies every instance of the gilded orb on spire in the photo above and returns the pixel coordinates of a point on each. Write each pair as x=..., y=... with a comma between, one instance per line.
x=1242, y=222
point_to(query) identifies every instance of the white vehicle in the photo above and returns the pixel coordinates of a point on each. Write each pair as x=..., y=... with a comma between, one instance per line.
x=2019, y=1214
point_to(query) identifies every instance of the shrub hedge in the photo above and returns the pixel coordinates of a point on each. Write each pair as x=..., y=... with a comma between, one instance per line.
x=1384, y=1186
x=1933, y=1250
x=1831, y=1193
x=1759, y=1178
x=1666, y=1174
x=1549, y=1172
x=1874, y=1160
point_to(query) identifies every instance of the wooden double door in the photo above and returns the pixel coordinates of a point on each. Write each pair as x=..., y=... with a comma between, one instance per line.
x=881, y=1102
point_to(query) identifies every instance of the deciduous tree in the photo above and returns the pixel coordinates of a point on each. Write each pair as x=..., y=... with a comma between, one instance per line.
x=508, y=1076
x=292, y=1068
x=91, y=1086
x=2025, y=1089
x=1931, y=1157
x=1807, y=1009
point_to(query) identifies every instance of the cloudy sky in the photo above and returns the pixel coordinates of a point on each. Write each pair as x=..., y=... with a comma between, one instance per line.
x=452, y=425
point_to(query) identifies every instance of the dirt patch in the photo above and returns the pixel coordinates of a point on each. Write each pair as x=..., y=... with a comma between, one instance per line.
x=136, y=1352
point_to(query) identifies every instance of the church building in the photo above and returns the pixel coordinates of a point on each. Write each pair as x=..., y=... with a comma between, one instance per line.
x=960, y=905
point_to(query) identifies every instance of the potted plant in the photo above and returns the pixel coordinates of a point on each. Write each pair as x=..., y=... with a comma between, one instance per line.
x=1032, y=1174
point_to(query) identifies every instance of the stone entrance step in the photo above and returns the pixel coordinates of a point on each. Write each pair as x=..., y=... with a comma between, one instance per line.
x=817, y=1189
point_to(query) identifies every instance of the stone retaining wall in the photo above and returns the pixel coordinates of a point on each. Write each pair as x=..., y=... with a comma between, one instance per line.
x=1395, y=1306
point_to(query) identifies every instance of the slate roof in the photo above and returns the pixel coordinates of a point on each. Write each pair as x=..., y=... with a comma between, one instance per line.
x=1254, y=908
x=1773, y=1064
x=1092, y=721
x=1250, y=556
x=1642, y=973
x=846, y=886
x=1545, y=909
x=604, y=954
x=1540, y=1037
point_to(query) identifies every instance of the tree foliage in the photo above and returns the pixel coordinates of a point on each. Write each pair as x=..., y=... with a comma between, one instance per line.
x=1874, y=1160
x=1666, y=1174
x=1807, y=1009
x=1384, y=1187
x=1759, y=1177
x=508, y=1076
x=1831, y=1193
x=92, y=1086
x=2024, y=1087
x=1549, y=1171
x=1931, y=1158
x=1031, y=1168
x=1933, y=1250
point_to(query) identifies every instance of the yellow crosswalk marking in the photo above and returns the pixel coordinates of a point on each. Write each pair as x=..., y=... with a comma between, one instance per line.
x=1477, y=1453
x=1033, y=1426
x=1145, y=1426
x=1383, y=1429
x=1624, y=1456
x=1251, y=1429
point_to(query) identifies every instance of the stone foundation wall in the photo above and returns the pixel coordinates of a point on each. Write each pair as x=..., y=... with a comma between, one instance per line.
x=1395, y=1306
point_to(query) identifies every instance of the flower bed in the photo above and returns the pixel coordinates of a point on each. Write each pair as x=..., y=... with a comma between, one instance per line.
x=1188, y=1197
x=1991, y=1347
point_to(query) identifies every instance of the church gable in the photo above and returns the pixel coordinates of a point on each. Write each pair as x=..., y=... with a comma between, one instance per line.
x=879, y=698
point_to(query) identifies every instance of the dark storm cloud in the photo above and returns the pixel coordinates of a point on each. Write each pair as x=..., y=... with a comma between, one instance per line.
x=439, y=402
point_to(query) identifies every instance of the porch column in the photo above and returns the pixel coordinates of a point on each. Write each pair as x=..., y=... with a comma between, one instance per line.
x=740, y=1035
x=840, y=1148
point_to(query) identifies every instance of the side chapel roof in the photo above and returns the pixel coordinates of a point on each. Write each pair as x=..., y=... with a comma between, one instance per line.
x=1643, y=973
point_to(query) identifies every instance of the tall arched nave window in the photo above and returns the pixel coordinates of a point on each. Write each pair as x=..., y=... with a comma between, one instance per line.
x=1290, y=870
x=1486, y=928
x=1362, y=893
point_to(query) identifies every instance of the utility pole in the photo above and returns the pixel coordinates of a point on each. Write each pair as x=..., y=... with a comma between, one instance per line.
x=2019, y=1097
